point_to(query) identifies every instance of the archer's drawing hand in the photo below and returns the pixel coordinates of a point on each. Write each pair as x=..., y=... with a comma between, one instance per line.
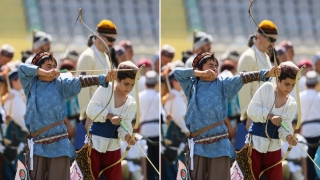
x=274, y=72
x=276, y=120
x=115, y=120
x=290, y=140
x=111, y=76
x=207, y=75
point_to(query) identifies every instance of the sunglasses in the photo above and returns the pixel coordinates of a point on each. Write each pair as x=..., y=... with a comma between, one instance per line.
x=271, y=38
x=110, y=39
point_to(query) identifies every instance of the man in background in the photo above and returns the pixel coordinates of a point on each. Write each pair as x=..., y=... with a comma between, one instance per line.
x=41, y=42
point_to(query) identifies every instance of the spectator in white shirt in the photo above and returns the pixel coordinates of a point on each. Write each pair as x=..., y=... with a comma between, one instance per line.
x=149, y=121
x=310, y=117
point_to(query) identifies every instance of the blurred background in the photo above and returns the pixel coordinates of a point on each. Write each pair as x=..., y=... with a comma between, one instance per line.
x=136, y=21
x=229, y=23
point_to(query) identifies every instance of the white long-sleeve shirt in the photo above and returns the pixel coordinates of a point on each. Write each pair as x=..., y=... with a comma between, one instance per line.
x=310, y=110
x=179, y=110
x=150, y=110
x=258, y=110
x=16, y=108
x=127, y=112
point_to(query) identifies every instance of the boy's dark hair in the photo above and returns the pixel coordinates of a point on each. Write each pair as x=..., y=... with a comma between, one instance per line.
x=43, y=57
x=288, y=70
x=202, y=58
x=127, y=74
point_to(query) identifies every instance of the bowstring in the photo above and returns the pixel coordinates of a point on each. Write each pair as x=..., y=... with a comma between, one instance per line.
x=276, y=93
x=65, y=49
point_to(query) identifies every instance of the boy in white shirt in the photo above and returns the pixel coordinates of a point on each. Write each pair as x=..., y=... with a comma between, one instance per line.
x=273, y=103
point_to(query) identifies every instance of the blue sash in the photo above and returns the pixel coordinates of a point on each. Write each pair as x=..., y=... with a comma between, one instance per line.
x=106, y=129
x=258, y=129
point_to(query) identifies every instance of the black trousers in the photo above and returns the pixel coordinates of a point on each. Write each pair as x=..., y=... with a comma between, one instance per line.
x=153, y=154
x=312, y=152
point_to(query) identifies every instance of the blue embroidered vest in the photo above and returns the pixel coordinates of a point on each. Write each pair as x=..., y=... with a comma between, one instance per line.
x=107, y=129
x=258, y=129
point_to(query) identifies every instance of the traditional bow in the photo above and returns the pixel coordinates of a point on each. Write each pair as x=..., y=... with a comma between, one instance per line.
x=275, y=63
x=111, y=64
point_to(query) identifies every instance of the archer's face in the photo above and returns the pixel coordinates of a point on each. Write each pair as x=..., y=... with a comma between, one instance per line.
x=286, y=85
x=48, y=65
x=125, y=85
x=210, y=64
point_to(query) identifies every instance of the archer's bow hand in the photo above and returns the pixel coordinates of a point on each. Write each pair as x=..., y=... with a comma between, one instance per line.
x=290, y=140
x=112, y=75
x=274, y=72
x=130, y=141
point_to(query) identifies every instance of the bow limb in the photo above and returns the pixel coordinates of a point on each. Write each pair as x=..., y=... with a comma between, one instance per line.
x=136, y=125
x=298, y=121
x=275, y=62
x=111, y=64
x=80, y=18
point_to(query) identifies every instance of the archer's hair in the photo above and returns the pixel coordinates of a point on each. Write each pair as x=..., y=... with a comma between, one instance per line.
x=200, y=61
x=251, y=40
x=288, y=70
x=91, y=39
x=43, y=57
x=126, y=74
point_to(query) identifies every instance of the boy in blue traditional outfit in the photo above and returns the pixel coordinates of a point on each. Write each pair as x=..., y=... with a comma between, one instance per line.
x=208, y=96
x=47, y=93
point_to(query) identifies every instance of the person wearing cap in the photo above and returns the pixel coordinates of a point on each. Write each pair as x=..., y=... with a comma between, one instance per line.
x=303, y=79
x=120, y=54
x=147, y=67
x=253, y=59
x=270, y=106
x=6, y=54
x=289, y=49
x=47, y=93
x=127, y=45
x=149, y=120
x=281, y=54
x=208, y=98
x=316, y=63
x=41, y=42
x=177, y=130
x=310, y=117
x=201, y=43
x=16, y=131
x=166, y=54
x=105, y=129
x=95, y=59
x=155, y=63
x=232, y=56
